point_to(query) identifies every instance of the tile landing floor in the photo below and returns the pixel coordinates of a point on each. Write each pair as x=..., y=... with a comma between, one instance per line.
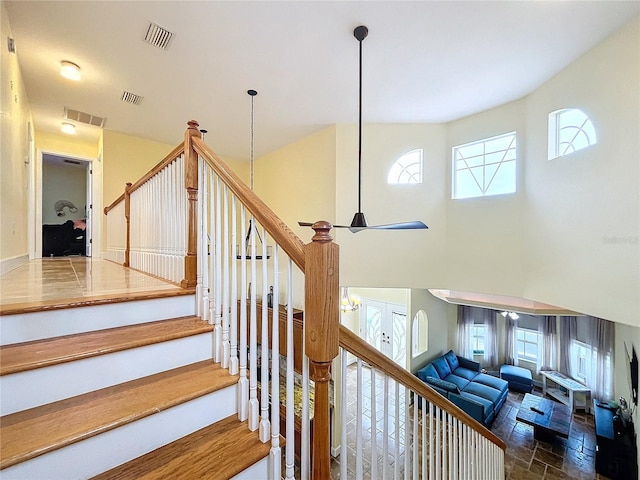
x=52, y=280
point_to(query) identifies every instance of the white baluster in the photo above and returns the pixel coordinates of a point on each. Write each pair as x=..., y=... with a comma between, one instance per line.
x=359, y=394
x=289, y=449
x=217, y=327
x=385, y=428
x=199, y=310
x=206, y=245
x=408, y=450
x=275, y=454
x=343, y=415
x=243, y=384
x=396, y=452
x=374, y=427
x=225, y=349
x=233, y=362
x=305, y=456
x=264, y=376
x=415, y=435
x=427, y=462
x=254, y=408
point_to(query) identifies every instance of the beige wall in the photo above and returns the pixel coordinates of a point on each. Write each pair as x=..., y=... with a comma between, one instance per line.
x=66, y=144
x=126, y=159
x=15, y=127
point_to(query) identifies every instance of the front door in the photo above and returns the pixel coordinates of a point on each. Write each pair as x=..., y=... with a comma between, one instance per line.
x=384, y=326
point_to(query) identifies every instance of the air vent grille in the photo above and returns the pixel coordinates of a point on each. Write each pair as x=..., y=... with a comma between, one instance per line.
x=82, y=117
x=73, y=162
x=11, y=45
x=132, y=98
x=158, y=36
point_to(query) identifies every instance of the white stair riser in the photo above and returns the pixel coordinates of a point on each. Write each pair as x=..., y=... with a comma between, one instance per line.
x=20, y=391
x=55, y=323
x=259, y=470
x=102, y=452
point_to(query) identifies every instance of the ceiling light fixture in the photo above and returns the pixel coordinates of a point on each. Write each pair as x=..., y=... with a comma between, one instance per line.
x=512, y=315
x=68, y=128
x=348, y=303
x=70, y=70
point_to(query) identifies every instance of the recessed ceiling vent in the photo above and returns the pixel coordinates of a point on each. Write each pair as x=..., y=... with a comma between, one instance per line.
x=132, y=98
x=82, y=117
x=72, y=162
x=158, y=36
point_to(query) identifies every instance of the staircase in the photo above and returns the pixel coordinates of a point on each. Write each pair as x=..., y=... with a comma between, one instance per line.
x=119, y=390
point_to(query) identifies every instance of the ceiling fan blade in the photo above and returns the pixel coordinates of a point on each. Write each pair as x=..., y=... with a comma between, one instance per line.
x=308, y=224
x=415, y=225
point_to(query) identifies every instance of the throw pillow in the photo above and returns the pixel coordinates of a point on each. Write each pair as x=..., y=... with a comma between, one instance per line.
x=444, y=385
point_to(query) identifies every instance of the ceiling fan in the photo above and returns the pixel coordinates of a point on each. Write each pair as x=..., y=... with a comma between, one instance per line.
x=359, y=221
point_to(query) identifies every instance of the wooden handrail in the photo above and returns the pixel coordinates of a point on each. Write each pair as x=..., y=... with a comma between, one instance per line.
x=278, y=230
x=114, y=204
x=361, y=349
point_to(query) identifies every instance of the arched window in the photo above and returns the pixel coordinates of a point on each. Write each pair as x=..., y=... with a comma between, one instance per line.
x=570, y=130
x=407, y=169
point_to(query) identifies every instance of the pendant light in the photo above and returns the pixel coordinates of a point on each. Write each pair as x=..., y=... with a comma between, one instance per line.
x=247, y=246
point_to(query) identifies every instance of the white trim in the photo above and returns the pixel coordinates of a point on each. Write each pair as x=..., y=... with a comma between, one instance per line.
x=35, y=209
x=12, y=263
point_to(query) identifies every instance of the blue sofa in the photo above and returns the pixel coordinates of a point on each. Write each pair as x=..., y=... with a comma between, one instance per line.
x=460, y=380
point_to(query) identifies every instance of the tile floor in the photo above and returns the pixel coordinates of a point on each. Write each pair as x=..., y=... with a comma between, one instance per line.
x=68, y=278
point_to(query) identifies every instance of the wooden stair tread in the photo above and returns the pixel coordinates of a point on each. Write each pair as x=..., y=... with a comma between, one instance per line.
x=220, y=451
x=25, y=356
x=87, y=301
x=84, y=416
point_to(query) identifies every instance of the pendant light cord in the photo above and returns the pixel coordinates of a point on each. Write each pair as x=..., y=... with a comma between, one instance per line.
x=360, y=133
x=251, y=153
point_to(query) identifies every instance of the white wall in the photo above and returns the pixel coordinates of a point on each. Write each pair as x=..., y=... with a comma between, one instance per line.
x=583, y=210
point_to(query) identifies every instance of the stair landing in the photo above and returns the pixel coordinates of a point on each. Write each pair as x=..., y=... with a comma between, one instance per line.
x=67, y=282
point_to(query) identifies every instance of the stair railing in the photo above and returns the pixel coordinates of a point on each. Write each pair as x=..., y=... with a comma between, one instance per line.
x=251, y=273
x=417, y=434
x=149, y=225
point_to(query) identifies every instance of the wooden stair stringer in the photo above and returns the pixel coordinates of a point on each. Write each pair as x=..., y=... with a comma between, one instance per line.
x=221, y=451
x=72, y=420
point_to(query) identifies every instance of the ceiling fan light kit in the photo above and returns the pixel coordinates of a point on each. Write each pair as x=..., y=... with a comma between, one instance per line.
x=359, y=221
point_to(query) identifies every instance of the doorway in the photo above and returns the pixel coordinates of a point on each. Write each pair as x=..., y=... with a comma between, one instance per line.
x=384, y=326
x=65, y=207
x=66, y=199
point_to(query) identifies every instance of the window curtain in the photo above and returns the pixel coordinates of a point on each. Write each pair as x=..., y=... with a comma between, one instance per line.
x=568, y=332
x=601, y=337
x=465, y=325
x=510, y=333
x=490, y=342
x=548, y=357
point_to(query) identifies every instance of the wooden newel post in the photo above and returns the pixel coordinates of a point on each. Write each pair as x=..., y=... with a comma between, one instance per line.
x=127, y=217
x=191, y=184
x=322, y=318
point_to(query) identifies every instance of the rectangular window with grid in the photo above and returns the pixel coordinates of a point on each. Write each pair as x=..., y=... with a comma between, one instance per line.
x=478, y=332
x=527, y=344
x=485, y=167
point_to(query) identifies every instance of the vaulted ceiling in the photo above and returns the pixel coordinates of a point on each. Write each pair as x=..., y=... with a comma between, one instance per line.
x=424, y=61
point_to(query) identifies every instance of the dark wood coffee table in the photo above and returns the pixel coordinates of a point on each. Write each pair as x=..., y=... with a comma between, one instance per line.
x=555, y=419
